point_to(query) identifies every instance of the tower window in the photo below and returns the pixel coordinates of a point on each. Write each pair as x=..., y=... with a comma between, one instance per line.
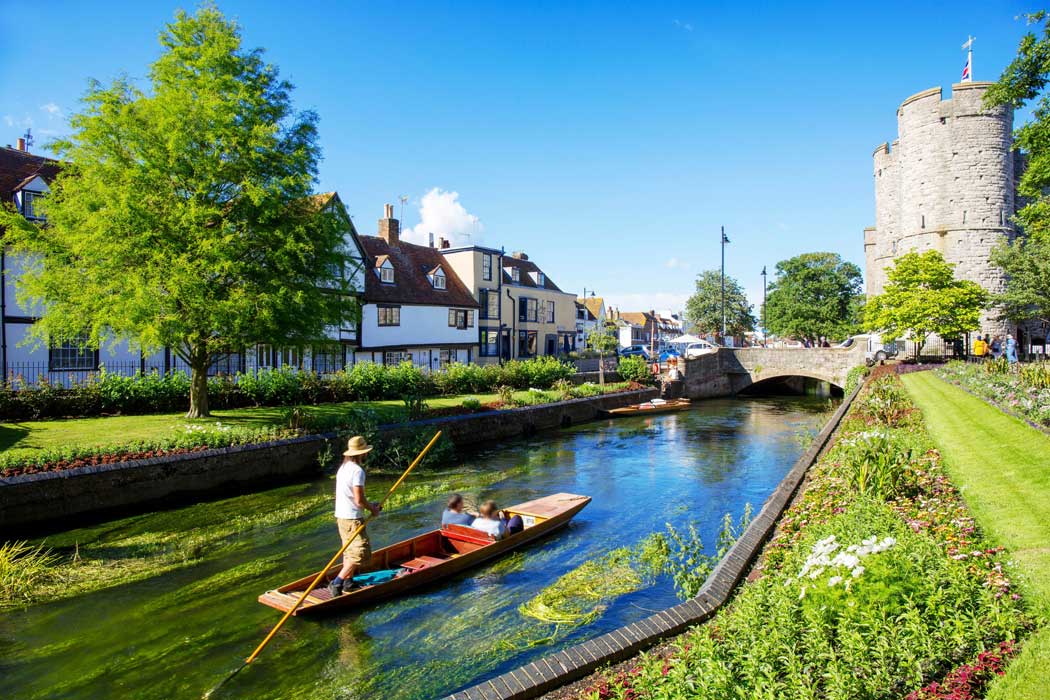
x=923, y=223
x=964, y=216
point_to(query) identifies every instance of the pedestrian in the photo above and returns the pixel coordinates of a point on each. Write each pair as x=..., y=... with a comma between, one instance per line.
x=1011, y=349
x=980, y=349
x=350, y=508
x=996, y=348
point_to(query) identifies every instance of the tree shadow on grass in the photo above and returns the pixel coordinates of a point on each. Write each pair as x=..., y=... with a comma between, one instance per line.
x=12, y=434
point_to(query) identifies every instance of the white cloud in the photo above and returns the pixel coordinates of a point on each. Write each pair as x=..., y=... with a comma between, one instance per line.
x=683, y=25
x=663, y=302
x=23, y=121
x=441, y=213
x=676, y=264
x=53, y=111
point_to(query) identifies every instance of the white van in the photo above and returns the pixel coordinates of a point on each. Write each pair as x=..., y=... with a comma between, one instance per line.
x=875, y=349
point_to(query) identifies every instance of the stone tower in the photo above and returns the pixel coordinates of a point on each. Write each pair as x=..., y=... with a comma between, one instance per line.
x=948, y=183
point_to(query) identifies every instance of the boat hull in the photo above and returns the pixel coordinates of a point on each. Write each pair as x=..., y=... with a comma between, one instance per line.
x=556, y=511
x=649, y=410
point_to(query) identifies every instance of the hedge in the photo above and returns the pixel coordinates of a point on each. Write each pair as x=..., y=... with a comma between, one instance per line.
x=105, y=393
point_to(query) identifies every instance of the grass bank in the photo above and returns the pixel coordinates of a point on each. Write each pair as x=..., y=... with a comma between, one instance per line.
x=28, y=439
x=1001, y=467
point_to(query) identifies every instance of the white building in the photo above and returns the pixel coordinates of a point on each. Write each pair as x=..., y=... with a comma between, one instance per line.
x=24, y=178
x=416, y=308
x=590, y=311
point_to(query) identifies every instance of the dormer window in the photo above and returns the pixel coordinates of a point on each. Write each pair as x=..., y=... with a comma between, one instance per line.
x=29, y=204
x=541, y=280
x=437, y=278
x=385, y=269
x=515, y=274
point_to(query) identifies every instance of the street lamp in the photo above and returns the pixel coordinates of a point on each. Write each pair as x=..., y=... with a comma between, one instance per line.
x=724, y=241
x=764, y=331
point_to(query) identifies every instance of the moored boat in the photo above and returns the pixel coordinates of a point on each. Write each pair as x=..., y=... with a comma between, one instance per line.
x=429, y=557
x=651, y=407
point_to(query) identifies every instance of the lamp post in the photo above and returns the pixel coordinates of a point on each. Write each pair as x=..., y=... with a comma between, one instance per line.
x=764, y=331
x=723, y=278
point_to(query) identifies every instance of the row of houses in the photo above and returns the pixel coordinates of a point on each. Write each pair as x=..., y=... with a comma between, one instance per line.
x=431, y=305
x=648, y=328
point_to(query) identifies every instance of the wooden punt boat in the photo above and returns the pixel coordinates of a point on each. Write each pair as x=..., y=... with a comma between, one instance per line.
x=429, y=557
x=651, y=407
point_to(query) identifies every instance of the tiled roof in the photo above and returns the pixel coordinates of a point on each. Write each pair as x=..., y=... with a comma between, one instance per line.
x=527, y=274
x=17, y=168
x=411, y=265
x=581, y=305
x=637, y=318
x=593, y=304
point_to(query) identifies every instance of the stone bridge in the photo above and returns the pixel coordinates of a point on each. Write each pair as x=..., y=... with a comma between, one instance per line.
x=731, y=370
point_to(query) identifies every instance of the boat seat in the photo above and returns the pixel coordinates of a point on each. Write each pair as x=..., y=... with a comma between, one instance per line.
x=465, y=533
x=421, y=562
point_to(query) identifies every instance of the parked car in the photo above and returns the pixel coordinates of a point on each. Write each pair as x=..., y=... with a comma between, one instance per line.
x=876, y=350
x=702, y=347
x=635, y=351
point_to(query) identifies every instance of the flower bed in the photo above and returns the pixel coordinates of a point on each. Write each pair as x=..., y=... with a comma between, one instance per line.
x=877, y=584
x=1023, y=391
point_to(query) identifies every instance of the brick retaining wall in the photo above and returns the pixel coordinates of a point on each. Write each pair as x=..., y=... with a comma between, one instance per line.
x=550, y=672
x=64, y=499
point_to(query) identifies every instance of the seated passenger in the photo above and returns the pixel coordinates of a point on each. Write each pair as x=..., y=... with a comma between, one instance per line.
x=513, y=523
x=488, y=521
x=454, y=514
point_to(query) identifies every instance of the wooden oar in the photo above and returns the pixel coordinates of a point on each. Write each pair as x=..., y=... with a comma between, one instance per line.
x=329, y=565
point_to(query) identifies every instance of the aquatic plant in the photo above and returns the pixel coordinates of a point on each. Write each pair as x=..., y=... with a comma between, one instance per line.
x=683, y=557
x=23, y=568
x=581, y=595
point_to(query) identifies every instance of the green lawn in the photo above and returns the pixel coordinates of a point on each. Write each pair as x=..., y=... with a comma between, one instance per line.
x=1002, y=467
x=29, y=436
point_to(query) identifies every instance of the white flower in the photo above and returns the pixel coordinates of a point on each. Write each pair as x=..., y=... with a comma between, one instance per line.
x=857, y=571
x=802, y=593
x=834, y=580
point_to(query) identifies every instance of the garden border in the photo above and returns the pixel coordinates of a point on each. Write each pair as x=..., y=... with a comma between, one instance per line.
x=550, y=672
x=52, y=499
x=994, y=404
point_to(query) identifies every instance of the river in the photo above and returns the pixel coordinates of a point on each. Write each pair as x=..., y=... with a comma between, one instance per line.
x=178, y=628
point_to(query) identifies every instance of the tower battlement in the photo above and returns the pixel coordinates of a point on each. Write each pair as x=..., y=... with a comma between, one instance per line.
x=947, y=183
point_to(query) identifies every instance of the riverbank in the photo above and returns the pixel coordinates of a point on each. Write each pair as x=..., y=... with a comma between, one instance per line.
x=247, y=461
x=1000, y=464
x=878, y=576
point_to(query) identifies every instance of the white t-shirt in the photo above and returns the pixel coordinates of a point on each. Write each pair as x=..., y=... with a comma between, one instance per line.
x=349, y=475
x=492, y=527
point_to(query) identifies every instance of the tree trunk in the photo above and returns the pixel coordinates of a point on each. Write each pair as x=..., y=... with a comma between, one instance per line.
x=601, y=369
x=199, y=390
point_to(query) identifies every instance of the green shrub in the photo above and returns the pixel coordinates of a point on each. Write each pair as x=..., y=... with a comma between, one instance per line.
x=471, y=404
x=635, y=369
x=855, y=377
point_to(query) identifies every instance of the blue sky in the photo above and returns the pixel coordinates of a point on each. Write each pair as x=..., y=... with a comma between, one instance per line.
x=607, y=140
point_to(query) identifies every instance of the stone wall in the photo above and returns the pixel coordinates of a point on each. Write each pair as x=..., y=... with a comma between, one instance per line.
x=64, y=499
x=948, y=183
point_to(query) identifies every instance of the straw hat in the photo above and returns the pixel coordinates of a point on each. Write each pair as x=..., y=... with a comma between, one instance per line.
x=357, y=446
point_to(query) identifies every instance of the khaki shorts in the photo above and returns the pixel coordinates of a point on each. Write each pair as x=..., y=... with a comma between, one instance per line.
x=359, y=552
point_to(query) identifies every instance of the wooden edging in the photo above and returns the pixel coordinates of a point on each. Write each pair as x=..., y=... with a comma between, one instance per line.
x=553, y=671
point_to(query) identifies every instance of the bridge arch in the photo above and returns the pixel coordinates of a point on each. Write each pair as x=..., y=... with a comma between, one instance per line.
x=732, y=370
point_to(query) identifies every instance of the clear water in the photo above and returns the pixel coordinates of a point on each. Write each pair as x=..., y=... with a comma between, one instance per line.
x=177, y=634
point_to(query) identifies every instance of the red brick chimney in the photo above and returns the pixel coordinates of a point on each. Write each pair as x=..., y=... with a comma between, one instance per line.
x=21, y=144
x=389, y=227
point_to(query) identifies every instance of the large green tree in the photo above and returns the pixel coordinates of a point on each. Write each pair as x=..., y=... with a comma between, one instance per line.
x=1026, y=263
x=922, y=297
x=814, y=295
x=703, y=310
x=183, y=215
x=602, y=340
